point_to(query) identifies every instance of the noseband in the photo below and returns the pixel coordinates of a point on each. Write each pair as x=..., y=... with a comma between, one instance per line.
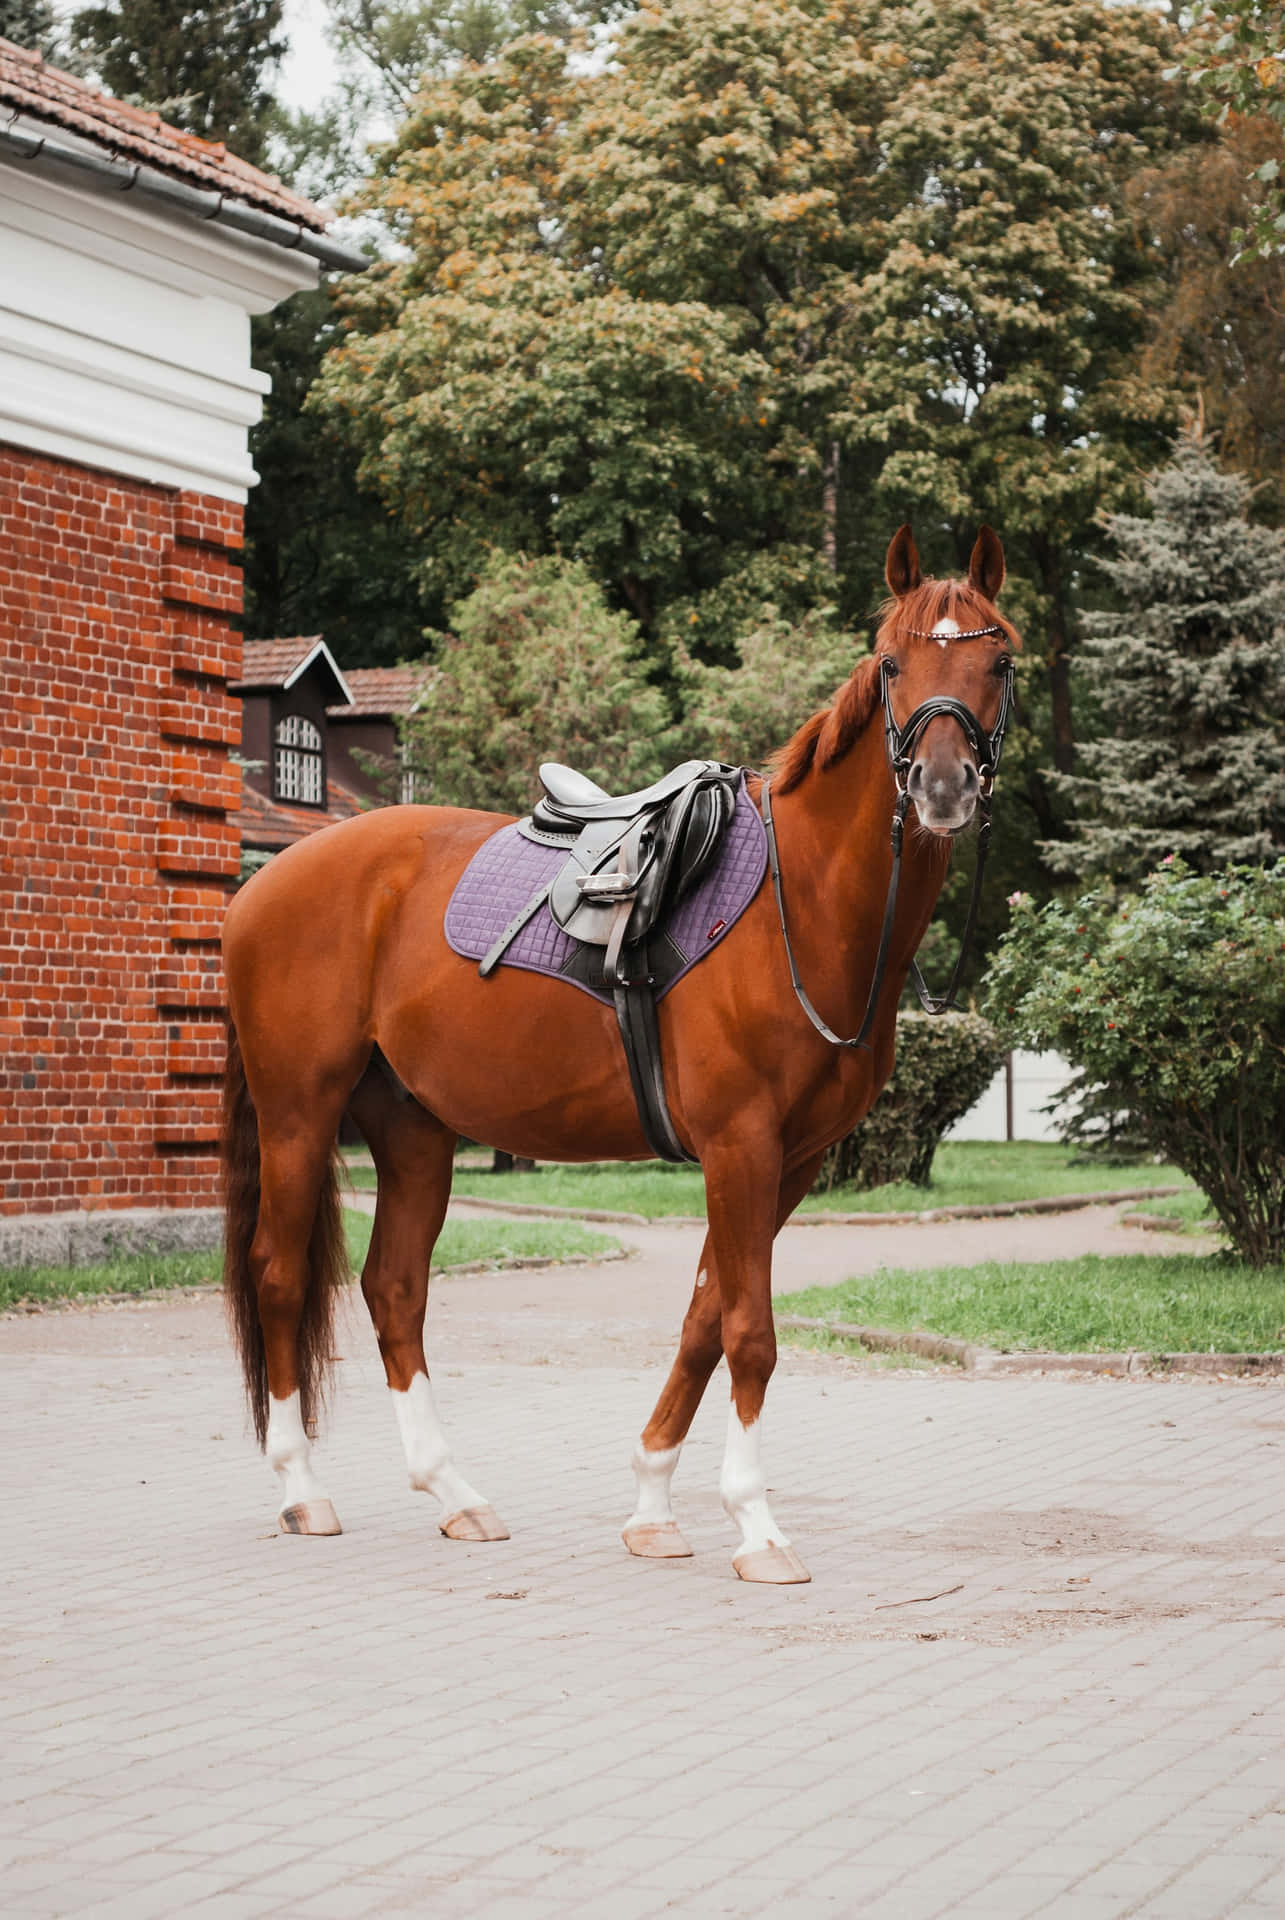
x=901, y=743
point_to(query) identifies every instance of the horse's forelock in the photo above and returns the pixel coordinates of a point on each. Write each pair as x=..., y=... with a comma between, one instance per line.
x=916, y=613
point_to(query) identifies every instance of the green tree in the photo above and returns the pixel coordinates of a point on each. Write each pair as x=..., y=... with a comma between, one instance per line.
x=398, y=42
x=536, y=667
x=322, y=553
x=784, y=671
x=614, y=332
x=30, y=23
x=204, y=67
x=1002, y=320
x=774, y=277
x=1235, y=57
x=1189, y=676
x=325, y=552
x=1217, y=331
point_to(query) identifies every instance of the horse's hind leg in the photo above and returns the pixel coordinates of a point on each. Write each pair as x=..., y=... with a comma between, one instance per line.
x=651, y=1530
x=296, y=1257
x=413, y=1155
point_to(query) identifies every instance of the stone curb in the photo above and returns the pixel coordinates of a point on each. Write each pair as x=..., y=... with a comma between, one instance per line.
x=78, y=1239
x=1164, y=1223
x=989, y=1360
x=997, y=1210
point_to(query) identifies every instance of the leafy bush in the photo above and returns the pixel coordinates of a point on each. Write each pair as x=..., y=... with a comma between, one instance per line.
x=538, y=668
x=784, y=670
x=943, y=1064
x=1171, y=1003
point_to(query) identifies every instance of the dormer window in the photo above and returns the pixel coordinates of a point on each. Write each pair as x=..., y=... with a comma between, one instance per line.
x=297, y=770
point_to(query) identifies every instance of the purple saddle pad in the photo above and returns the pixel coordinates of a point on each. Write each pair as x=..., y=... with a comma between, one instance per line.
x=508, y=869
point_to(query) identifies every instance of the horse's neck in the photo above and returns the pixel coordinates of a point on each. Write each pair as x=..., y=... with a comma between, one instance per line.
x=836, y=856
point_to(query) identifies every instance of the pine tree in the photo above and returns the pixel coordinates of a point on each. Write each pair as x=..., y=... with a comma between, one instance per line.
x=202, y=67
x=1189, y=679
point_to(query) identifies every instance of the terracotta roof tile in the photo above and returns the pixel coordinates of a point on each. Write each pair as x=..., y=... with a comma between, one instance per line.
x=269, y=663
x=382, y=690
x=275, y=823
x=42, y=92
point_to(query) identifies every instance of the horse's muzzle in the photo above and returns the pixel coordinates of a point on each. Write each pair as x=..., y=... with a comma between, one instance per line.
x=944, y=796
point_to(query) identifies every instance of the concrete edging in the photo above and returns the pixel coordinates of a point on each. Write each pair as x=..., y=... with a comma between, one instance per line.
x=990, y=1360
x=996, y=1210
x=78, y=1239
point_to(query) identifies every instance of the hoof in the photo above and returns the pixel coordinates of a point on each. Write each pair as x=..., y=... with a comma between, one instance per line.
x=474, y=1523
x=310, y=1516
x=656, y=1540
x=772, y=1566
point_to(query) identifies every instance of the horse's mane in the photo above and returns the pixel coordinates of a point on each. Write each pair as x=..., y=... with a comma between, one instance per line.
x=830, y=735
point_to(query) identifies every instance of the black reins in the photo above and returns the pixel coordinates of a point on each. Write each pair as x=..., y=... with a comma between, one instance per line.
x=901, y=743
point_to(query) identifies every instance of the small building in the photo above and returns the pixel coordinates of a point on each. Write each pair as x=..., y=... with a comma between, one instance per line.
x=317, y=744
x=134, y=256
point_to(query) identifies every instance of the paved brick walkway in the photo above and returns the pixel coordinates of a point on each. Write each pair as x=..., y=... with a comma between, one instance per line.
x=202, y=1717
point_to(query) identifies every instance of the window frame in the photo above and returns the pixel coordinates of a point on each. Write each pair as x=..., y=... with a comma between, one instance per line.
x=305, y=755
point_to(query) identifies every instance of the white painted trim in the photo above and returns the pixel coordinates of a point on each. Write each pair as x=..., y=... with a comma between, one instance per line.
x=319, y=651
x=116, y=226
x=46, y=431
x=125, y=332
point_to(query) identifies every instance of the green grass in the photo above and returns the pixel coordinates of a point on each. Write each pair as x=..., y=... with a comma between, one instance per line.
x=136, y=1273
x=462, y=1243
x=1174, y=1303
x=965, y=1173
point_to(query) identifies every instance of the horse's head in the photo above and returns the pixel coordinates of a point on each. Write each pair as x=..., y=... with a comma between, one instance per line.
x=944, y=655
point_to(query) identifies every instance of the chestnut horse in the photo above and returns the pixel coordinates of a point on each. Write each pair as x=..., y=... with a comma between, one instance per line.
x=338, y=970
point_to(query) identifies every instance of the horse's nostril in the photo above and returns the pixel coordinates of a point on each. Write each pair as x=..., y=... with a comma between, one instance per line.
x=971, y=781
x=915, y=781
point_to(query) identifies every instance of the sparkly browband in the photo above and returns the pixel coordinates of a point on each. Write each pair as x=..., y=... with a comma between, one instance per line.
x=952, y=633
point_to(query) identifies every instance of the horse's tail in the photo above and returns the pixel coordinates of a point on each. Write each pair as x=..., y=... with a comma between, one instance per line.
x=327, y=1258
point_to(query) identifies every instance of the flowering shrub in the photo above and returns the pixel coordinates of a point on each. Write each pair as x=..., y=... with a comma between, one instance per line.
x=1171, y=1003
x=943, y=1064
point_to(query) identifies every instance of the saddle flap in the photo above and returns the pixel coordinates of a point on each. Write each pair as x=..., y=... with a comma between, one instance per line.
x=658, y=858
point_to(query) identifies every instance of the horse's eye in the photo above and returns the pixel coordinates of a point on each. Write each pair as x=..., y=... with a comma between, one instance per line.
x=891, y=668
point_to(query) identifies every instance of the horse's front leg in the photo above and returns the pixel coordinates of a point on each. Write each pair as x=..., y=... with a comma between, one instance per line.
x=743, y=1207
x=651, y=1530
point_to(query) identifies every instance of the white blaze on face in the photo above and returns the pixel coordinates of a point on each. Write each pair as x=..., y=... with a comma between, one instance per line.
x=945, y=630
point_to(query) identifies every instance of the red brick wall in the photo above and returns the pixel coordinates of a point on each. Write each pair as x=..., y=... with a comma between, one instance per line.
x=115, y=851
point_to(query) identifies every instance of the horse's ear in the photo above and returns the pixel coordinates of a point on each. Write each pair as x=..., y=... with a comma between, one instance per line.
x=901, y=568
x=986, y=568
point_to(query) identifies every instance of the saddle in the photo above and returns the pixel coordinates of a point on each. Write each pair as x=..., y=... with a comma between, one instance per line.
x=630, y=859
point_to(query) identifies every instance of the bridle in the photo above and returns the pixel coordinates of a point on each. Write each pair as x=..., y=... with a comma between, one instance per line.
x=901, y=742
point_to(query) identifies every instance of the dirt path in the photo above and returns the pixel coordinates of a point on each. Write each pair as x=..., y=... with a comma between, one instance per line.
x=622, y=1313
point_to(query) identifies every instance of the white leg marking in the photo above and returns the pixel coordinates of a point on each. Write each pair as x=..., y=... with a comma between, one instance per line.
x=289, y=1451
x=743, y=1488
x=428, y=1456
x=653, y=1473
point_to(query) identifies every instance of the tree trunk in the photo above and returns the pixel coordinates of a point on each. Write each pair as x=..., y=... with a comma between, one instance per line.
x=1050, y=560
x=502, y=1162
x=830, y=508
